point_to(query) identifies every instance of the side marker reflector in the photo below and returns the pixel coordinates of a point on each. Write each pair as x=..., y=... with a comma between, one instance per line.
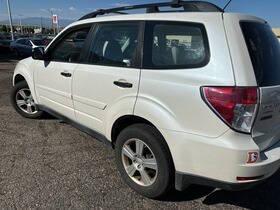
x=248, y=178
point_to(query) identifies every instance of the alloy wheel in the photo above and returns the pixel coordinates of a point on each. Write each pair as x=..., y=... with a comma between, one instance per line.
x=139, y=162
x=25, y=101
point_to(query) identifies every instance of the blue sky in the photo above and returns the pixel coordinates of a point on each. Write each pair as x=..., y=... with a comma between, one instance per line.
x=73, y=9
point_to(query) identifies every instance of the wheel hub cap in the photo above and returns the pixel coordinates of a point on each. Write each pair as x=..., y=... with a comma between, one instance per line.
x=139, y=162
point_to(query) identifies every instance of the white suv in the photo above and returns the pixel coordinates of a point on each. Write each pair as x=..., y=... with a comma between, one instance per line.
x=184, y=97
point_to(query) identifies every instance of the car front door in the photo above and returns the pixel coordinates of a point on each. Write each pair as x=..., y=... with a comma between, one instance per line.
x=27, y=48
x=109, y=82
x=20, y=44
x=53, y=77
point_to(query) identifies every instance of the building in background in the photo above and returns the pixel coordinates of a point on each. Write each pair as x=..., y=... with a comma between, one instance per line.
x=38, y=30
x=277, y=32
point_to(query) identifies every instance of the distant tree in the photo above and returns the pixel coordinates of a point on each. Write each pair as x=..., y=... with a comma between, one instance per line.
x=4, y=28
x=14, y=29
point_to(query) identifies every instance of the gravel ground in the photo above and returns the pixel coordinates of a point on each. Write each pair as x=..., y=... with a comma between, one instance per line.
x=49, y=164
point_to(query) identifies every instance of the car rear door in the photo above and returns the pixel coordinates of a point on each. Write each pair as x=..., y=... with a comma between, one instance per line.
x=264, y=50
x=53, y=77
x=107, y=83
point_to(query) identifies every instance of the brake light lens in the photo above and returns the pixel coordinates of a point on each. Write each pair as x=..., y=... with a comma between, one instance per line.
x=236, y=106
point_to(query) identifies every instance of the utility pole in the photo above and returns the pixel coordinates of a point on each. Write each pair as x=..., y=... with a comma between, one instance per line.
x=10, y=19
x=20, y=23
x=57, y=25
x=52, y=21
x=41, y=25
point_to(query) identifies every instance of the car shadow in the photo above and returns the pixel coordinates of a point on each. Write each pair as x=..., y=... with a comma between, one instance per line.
x=263, y=196
x=7, y=57
x=193, y=192
x=47, y=116
x=8, y=60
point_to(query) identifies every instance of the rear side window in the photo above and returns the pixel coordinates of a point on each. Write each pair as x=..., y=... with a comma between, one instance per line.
x=173, y=45
x=264, y=50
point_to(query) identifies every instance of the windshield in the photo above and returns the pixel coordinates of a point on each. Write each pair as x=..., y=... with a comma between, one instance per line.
x=264, y=50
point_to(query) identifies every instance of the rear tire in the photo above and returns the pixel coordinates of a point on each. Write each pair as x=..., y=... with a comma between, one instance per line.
x=22, y=101
x=155, y=151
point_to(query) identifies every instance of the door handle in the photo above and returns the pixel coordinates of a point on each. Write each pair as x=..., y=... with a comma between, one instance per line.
x=66, y=74
x=123, y=84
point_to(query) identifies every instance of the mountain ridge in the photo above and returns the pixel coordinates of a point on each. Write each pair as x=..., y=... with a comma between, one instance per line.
x=36, y=21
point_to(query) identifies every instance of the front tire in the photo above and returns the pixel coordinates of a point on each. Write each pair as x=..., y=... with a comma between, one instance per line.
x=144, y=161
x=22, y=101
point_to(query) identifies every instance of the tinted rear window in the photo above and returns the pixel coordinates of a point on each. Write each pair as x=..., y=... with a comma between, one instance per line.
x=264, y=50
x=174, y=45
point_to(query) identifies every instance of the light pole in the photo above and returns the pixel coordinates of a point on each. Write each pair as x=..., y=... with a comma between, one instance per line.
x=20, y=25
x=52, y=20
x=41, y=25
x=10, y=19
x=57, y=25
x=20, y=22
x=53, y=26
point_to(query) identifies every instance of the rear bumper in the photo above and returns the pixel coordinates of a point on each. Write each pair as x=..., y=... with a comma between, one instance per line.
x=218, y=162
x=182, y=181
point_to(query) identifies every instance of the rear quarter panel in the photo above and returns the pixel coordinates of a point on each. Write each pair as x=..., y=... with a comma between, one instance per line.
x=171, y=99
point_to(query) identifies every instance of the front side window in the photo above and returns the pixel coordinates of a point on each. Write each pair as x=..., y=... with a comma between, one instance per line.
x=70, y=47
x=175, y=45
x=115, y=44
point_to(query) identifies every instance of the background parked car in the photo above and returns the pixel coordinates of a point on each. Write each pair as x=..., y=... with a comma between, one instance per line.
x=47, y=40
x=5, y=42
x=23, y=46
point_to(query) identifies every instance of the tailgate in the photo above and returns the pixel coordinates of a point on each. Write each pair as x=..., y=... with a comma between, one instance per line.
x=264, y=50
x=266, y=130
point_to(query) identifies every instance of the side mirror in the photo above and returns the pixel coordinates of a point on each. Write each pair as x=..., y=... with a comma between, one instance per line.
x=38, y=53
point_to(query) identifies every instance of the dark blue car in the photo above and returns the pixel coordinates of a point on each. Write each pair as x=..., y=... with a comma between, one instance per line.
x=23, y=46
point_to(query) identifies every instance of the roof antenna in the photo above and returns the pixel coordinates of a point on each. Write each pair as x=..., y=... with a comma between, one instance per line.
x=227, y=5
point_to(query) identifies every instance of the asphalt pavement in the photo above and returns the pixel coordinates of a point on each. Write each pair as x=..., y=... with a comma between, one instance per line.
x=48, y=164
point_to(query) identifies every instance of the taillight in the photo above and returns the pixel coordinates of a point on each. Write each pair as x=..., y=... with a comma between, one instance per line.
x=236, y=106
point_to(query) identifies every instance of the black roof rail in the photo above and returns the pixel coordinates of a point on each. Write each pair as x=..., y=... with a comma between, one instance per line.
x=188, y=6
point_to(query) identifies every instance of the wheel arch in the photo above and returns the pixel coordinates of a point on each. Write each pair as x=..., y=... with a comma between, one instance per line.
x=18, y=78
x=125, y=121
x=128, y=120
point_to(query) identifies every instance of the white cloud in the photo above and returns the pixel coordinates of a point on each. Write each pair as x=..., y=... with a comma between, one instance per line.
x=51, y=9
x=43, y=10
x=56, y=10
x=120, y=4
x=72, y=8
